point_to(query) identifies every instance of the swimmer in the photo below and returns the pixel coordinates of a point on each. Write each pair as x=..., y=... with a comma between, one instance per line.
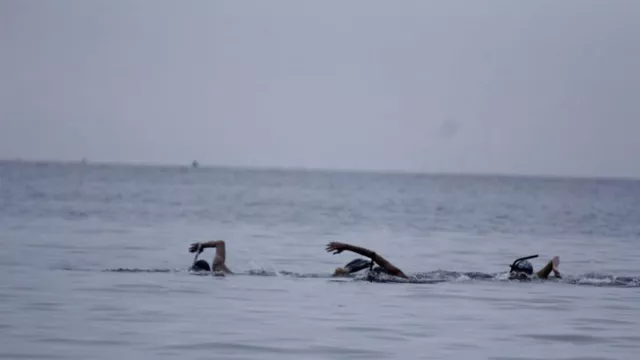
x=521, y=269
x=359, y=264
x=218, y=266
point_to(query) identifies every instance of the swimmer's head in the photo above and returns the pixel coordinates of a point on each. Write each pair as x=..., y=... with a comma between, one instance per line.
x=352, y=267
x=521, y=270
x=200, y=265
x=523, y=267
x=341, y=272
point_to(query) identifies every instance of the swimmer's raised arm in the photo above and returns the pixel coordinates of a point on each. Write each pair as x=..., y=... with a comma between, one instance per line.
x=220, y=256
x=208, y=244
x=338, y=247
x=551, y=266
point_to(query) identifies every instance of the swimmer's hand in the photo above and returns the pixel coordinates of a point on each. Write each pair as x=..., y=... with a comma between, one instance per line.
x=196, y=247
x=336, y=247
x=555, y=263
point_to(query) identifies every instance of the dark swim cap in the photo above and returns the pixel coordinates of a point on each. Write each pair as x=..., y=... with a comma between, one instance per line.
x=523, y=267
x=200, y=265
x=357, y=265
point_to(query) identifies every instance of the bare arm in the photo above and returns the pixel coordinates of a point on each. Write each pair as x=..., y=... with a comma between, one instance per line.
x=551, y=266
x=337, y=248
x=220, y=256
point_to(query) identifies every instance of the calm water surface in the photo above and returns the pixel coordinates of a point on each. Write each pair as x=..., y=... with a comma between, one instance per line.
x=94, y=265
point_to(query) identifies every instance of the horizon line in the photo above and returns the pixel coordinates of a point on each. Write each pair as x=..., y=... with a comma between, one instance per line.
x=86, y=162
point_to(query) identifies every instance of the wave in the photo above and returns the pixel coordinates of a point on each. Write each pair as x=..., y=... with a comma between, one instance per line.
x=589, y=279
x=431, y=277
x=139, y=270
x=596, y=279
x=439, y=276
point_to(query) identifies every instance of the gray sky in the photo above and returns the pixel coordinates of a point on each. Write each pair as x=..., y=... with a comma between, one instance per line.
x=534, y=87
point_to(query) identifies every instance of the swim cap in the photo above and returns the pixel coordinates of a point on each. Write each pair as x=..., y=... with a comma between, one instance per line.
x=523, y=266
x=200, y=265
x=357, y=265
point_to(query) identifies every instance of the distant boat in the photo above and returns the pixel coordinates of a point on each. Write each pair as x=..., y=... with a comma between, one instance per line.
x=194, y=164
x=83, y=161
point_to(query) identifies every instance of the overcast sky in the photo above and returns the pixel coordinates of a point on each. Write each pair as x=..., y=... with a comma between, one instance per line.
x=524, y=87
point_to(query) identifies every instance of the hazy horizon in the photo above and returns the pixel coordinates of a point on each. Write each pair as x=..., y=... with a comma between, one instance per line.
x=188, y=165
x=464, y=87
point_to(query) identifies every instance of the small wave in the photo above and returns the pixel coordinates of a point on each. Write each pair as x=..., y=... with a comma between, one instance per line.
x=76, y=215
x=261, y=272
x=385, y=278
x=431, y=277
x=439, y=276
x=265, y=272
x=596, y=279
x=138, y=270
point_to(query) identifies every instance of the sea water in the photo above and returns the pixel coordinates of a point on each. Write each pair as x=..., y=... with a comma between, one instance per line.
x=94, y=262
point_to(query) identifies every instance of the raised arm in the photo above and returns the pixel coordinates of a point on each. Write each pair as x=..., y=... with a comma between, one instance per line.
x=551, y=266
x=220, y=256
x=337, y=248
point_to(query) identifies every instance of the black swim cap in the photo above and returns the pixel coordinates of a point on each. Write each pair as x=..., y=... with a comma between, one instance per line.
x=200, y=265
x=523, y=267
x=357, y=265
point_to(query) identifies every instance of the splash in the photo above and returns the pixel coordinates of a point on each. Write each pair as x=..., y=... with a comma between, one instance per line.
x=597, y=279
x=431, y=277
x=440, y=276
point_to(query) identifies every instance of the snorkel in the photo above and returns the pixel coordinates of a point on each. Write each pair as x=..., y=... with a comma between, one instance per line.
x=514, y=266
x=521, y=268
x=199, y=265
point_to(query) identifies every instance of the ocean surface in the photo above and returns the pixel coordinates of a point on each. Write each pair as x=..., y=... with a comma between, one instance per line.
x=94, y=262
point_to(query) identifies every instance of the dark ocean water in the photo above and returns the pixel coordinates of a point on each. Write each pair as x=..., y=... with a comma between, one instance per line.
x=94, y=258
